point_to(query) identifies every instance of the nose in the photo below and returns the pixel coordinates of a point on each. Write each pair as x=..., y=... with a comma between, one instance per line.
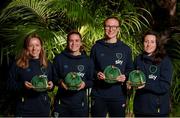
x=74, y=42
x=34, y=47
x=148, y=43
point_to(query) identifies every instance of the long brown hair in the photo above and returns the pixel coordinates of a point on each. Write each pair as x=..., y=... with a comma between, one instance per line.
x=23, y=58
x=159, y=52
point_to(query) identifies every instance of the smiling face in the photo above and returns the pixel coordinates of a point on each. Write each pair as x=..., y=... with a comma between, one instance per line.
x=74, y=43
x=150, y=44
x=34, y=48
x=111, y=28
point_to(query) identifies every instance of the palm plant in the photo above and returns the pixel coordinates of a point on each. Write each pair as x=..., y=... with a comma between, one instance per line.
x=133, y=22
x=22, y=17
x=19, y=17
x=173, y=48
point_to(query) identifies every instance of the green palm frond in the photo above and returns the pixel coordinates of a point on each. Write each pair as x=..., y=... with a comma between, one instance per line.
x=173, y=50
x=134, y=21
x=32, y=9
x=73, y=10
x=90, y=35
x=173, y=46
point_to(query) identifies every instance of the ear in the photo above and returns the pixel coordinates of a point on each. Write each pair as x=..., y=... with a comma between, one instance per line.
x=119, y=29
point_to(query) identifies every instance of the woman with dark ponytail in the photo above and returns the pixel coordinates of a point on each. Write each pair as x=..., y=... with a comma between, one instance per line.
x=73, y=66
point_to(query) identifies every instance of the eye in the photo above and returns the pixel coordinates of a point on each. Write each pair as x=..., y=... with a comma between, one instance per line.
x=107, y=27
x=77, y=40
x=153, y=42
x=145, y=41
x=30, y=46
x=70, y=41
x=38, y=45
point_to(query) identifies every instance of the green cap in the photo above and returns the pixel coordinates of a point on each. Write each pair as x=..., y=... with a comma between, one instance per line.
x=72, y=80
x=137, y=78
x=40, y=83
x=111, y=73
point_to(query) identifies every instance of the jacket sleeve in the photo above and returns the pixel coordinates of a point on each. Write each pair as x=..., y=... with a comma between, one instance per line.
x=89, y=77
x=162, y=84
x=51, y=73
x=56, y=67
x=93, y=58
x=129, y=64
x=14, y=83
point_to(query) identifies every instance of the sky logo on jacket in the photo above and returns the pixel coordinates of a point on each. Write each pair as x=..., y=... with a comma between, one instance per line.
x=119, y=57
x=152, y=70
x=151, y=76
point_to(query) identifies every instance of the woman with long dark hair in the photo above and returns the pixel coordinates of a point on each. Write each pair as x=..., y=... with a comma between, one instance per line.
x=153, y=98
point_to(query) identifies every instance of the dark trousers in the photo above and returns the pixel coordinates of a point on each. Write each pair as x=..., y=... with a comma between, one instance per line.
x=66, y=112
x=101, y=106
x=148, y=115
x=70, y=111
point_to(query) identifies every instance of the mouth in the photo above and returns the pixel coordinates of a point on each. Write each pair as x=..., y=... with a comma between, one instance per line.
x=35, y=52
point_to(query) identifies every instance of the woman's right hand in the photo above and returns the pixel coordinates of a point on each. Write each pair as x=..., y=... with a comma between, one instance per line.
x=140, y=87
x=28, y=85
x=128, y=85
x=100, y=76
x=64, y=85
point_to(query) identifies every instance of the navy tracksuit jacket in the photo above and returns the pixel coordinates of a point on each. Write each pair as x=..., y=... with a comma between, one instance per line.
x=154, y=98
x=29, y=102
x=104, y=54
x=72, y=102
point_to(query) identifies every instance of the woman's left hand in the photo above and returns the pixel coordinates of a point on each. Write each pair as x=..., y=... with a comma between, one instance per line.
x=81, y=86
x=140, y=87
x=121, y=78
